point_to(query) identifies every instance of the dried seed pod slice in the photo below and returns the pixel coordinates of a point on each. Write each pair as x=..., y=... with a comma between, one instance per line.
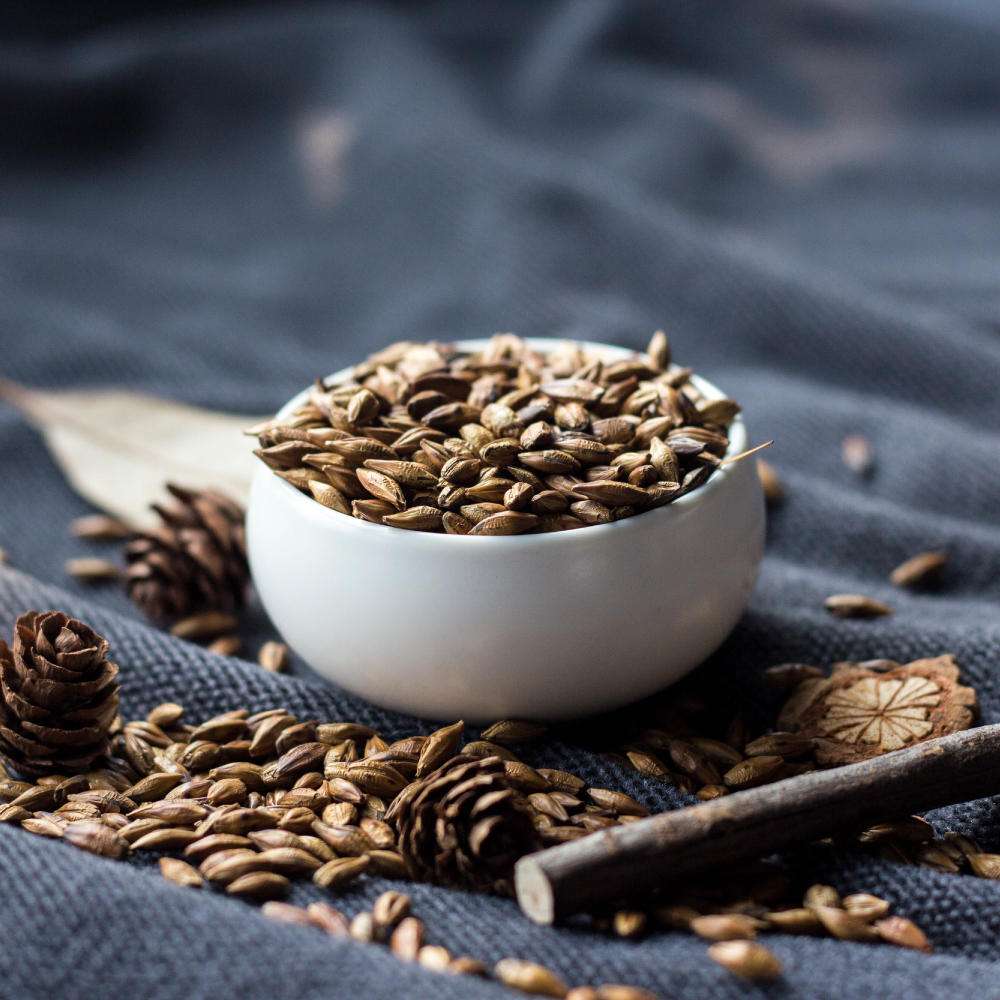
x=857, y=713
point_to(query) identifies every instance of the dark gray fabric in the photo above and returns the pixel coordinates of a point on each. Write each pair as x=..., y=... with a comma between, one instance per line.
x=218, y=207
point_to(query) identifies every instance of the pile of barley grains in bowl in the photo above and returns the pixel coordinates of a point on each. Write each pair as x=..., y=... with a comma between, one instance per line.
x=503, y=440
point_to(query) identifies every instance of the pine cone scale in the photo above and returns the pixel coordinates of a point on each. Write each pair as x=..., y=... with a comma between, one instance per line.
x=42, y=690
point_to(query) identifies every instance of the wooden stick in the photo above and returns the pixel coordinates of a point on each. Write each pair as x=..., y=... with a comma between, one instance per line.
x=625, y=861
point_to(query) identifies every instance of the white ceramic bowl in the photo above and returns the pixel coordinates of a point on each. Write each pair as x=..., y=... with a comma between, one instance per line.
x=542, y=626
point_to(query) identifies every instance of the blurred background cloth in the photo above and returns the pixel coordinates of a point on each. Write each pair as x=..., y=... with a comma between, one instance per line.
x=217, y=203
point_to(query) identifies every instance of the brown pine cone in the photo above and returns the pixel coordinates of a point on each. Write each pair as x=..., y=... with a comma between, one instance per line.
x=195, y=561
x=464, y=824
x=58, y=695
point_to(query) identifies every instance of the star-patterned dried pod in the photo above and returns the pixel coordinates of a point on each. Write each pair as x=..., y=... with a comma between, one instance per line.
x=857, y=713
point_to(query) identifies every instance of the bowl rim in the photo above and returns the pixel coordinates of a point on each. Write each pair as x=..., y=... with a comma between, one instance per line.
x=333, y=520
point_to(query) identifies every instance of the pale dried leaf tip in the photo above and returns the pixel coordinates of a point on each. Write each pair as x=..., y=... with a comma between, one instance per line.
x=111, y=445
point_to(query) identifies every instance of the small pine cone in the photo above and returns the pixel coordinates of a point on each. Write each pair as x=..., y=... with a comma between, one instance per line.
x=464, y=824
x=58, y=695
x=194, y=561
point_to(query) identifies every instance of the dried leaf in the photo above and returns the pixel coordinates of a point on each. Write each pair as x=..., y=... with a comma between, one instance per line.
x=118, y=448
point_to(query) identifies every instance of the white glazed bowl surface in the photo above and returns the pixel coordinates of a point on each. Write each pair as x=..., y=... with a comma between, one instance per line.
x=542, y=626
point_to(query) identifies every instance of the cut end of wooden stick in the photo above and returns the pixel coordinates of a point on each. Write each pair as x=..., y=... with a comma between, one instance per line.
x=534, y=891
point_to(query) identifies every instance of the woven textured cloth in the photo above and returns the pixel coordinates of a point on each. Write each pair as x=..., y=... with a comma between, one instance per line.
x=219, y=206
